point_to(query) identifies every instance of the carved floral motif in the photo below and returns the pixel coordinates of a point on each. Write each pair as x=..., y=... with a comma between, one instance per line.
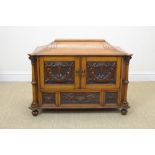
x=80, y=97
x=101, y=72
x=59, y=72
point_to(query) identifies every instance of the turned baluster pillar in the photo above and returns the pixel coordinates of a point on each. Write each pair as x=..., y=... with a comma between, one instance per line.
x=125, y=79
x=34, y=80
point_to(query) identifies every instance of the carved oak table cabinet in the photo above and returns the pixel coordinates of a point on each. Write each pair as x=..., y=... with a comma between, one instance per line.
x=79, y=74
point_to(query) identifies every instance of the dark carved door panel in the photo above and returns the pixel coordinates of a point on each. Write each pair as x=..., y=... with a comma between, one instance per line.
x=59, y=72
x=101, y=72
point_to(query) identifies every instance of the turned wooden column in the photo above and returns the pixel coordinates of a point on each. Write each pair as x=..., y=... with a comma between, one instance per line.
x=125, y=81
x=34, y=81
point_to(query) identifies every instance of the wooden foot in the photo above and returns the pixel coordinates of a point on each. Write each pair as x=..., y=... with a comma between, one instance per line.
x=35, y=112
x=124, y=111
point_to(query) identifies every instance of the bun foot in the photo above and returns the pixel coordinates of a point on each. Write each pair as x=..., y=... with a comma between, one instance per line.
x=124, y=111
x=35, y=112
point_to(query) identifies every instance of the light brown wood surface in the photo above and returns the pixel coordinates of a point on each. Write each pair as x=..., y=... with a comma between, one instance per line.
x=79, y=47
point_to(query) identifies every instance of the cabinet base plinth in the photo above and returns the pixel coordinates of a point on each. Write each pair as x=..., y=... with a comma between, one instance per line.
x=37, y=110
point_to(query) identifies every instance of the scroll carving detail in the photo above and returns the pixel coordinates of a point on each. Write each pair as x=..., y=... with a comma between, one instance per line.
x=59, y=72
x=101, y=72
x=32, y=58
x=127, y=59
x=80, y=97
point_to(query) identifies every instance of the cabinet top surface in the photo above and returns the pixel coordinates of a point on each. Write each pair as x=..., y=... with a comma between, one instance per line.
x=79, y=47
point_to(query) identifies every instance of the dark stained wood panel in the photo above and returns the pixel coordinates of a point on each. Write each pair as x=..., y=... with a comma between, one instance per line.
x=48, y=98
x=111, y=97
x=101, y=72
x=80, y=97
x=59, y=72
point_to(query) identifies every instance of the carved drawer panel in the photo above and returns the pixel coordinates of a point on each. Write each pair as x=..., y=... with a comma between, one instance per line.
x=101, y=72
x=80, y=97
x=48, y=98
x=111, y=97
x=59, y=72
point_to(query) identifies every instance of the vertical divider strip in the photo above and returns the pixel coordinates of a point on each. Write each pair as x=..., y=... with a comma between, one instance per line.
x=83, y=67
x=77, y=68
x=58, y=99
x=101, y=98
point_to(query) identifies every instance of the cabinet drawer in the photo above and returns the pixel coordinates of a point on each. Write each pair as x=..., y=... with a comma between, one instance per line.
x=48, y=98
x=80, y=97
x=111, y=98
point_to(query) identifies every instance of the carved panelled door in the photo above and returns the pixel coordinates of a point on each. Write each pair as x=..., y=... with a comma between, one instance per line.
x=59, y=72
x=101, y=72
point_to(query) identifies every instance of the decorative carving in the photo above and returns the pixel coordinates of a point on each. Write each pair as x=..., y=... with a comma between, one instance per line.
x=80, y=97
x=32, y=58
x=101, y=72
x=111, y=97
x=125, y=104
x=34, y=104
x=59, y=72
x=127, y=58
x=48, y=98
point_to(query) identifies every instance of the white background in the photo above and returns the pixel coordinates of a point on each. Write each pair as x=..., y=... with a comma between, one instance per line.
x=17, y=42
x=78, y=142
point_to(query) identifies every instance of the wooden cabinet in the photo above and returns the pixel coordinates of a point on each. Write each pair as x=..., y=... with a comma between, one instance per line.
x=79, y=74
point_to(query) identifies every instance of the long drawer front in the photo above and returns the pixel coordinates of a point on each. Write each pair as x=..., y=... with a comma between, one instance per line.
x=79, y=98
